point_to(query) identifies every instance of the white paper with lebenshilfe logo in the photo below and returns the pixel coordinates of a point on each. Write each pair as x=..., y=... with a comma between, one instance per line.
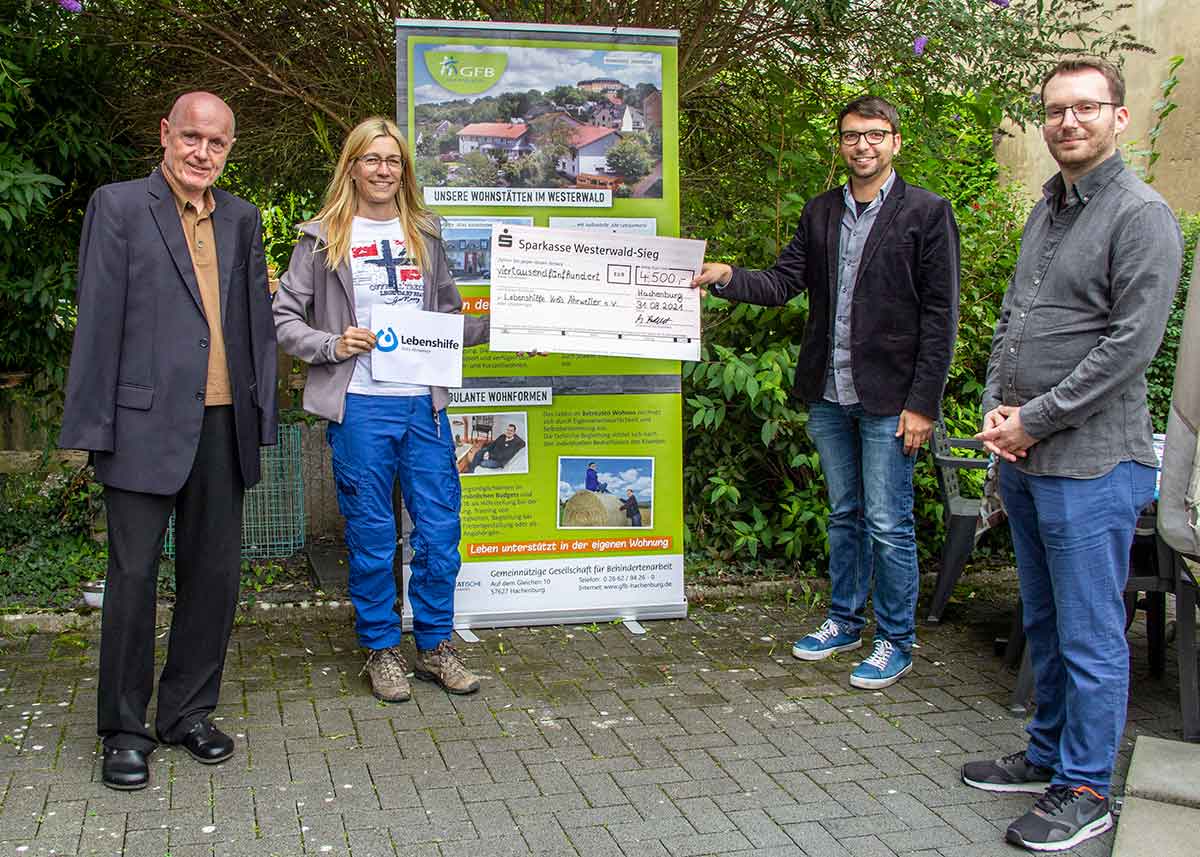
x=417, y=347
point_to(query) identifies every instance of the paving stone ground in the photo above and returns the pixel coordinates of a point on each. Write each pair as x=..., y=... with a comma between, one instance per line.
x=703, y=737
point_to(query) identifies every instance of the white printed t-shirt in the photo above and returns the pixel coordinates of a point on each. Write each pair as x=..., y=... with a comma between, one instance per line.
x=384, y=274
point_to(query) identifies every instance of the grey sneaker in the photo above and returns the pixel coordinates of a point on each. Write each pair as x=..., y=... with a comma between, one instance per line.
x=444, y=665
x=387, y=671
x=1060, y=819
x=1012, y=773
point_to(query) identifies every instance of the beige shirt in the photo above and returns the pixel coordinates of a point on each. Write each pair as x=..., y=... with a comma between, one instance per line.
x=202, y=245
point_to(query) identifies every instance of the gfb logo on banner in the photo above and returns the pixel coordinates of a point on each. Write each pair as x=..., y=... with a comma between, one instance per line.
x=466, y=72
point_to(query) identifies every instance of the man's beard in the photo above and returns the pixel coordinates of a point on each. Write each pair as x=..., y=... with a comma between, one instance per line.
x=1089, y=146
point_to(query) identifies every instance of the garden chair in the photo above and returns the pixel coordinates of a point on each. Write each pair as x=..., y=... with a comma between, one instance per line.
x=964, y=525
x=1175, y=564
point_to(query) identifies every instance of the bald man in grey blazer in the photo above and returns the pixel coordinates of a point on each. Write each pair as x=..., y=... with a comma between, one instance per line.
x=171, y=390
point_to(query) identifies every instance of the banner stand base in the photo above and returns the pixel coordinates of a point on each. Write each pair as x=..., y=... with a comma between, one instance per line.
x=466, y=635
x=633, y=626
x=579, y=616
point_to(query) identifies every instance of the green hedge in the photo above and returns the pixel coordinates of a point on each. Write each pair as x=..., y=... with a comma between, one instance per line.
x=46, y=544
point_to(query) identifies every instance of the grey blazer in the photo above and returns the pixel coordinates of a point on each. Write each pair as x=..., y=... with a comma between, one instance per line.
x=139, y=363
x=314, y=305
x=1179, y=493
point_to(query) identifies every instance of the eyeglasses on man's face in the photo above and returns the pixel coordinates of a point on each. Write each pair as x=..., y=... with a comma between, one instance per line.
x=1083, y=111
x=372, y=162
x=874, y=136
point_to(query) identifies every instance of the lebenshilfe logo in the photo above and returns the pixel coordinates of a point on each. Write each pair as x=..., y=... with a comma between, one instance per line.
x=386, y=340
x=466, y=72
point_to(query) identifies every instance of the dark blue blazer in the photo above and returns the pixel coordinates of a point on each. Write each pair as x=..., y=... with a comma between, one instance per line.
x=905, y=302
x=139, y=364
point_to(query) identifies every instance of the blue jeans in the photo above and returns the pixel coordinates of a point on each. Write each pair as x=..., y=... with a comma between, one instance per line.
x=379, y=439
x=485, y=463
x=1072, y=539
x=869, y=479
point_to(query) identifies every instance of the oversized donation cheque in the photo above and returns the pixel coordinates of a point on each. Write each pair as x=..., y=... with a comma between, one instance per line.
x=416, y=347
x=562, y=291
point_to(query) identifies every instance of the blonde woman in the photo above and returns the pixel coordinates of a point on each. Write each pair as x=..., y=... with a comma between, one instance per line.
x=374, y=243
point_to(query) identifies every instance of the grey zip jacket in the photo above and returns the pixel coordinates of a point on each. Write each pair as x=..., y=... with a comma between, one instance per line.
x=314, y=305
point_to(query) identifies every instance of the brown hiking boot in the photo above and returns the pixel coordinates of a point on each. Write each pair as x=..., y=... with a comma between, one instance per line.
x=445, y=666
x=387, y=671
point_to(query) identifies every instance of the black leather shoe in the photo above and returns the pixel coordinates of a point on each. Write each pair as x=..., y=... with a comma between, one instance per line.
x=125, y=770
x=207, y=744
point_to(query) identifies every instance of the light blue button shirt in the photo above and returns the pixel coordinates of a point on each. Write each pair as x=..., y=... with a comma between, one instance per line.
x=839, y=380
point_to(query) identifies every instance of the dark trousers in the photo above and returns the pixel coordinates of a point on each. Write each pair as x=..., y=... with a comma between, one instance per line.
x=208, y=539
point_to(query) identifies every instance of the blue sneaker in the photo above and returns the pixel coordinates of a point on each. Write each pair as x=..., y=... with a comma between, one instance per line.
x=882, y=668
x=827, y=640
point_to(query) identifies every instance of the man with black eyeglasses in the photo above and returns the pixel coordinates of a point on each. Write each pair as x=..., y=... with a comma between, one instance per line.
x=879, y=261
x=1065, y=411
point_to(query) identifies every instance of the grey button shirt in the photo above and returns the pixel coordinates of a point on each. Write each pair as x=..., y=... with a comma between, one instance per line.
x=839, y=380
x=1082, y=318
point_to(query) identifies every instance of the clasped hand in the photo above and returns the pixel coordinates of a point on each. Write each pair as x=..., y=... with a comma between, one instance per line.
x=1004, y=435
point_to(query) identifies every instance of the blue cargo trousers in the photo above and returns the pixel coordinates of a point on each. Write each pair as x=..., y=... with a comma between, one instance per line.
x=380, y=439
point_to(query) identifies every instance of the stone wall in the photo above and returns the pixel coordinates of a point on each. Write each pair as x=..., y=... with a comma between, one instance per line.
x=1170, y=28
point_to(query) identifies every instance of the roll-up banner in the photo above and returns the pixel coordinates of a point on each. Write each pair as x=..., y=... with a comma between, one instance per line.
x=571, y=466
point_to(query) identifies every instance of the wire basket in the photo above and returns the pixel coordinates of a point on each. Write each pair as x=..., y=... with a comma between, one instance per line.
x=273, y=510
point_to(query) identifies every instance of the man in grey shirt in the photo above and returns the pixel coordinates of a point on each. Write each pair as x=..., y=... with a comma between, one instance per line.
x=1065, y=410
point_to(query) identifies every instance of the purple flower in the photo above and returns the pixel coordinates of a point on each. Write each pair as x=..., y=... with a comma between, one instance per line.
x=71, y=5
x=919, y=44
x=1003, y=4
